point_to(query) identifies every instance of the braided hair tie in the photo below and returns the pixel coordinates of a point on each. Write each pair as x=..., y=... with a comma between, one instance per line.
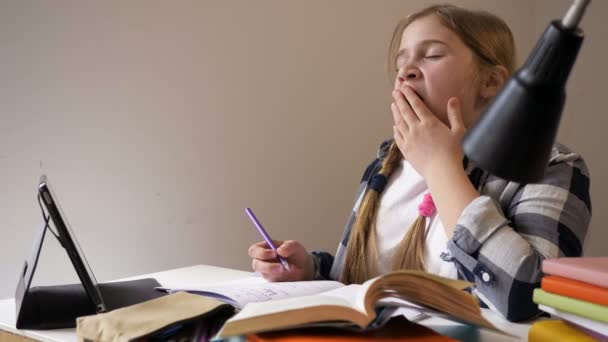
x=377, y=182
x=427, y=207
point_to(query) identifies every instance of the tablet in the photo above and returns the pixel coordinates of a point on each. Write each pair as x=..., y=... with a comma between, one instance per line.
x=68, y=241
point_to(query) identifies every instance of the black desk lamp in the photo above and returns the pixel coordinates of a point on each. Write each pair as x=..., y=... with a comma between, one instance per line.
x=514, y=136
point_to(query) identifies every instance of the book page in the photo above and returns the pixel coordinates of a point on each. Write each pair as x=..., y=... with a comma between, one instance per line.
x=251, y=290
x=174, y=287
x=350, y=296
x=355, y=294
x=292, y=312
x=261, y=309
x=409, y=310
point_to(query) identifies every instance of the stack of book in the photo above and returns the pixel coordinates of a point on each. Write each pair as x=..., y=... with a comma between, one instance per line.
x=574, y=290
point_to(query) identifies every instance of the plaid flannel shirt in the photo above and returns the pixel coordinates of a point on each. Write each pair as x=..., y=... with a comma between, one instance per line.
x=502, y=237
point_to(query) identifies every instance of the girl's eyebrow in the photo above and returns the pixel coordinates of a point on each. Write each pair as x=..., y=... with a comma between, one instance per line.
x=422, y=43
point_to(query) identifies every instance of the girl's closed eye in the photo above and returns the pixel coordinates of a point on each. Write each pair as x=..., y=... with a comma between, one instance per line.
x=434, y=54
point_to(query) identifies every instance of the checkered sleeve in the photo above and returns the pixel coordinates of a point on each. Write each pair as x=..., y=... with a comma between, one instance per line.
x=501, y=248
x=322, y=263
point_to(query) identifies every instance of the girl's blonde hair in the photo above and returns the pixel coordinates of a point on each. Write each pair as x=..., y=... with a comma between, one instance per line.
x=491, y=42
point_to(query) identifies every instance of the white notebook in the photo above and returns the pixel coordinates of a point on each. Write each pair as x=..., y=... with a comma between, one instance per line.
x=598, y=327
x=255, y=289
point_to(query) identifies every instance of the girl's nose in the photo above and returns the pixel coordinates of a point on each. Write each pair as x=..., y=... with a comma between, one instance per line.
x=408, y=74
x=412, y=73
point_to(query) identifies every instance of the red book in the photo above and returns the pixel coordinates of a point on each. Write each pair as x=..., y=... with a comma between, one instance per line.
x=575, y=289
x=592, y=270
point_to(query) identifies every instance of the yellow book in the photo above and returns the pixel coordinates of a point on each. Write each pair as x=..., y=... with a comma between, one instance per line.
x=361, y=304
x=556, y=330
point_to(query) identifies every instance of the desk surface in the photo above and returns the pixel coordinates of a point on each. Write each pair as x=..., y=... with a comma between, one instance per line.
x=210, y=274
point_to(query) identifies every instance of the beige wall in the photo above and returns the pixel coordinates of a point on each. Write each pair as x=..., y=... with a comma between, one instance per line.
x=158, y=122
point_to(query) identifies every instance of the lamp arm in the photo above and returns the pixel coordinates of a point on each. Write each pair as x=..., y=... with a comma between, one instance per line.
x=575, y=14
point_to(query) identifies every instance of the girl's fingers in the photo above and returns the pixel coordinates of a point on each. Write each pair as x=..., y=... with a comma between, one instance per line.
x=263, y=244
x=291, y=248
x=404, y=109
x=418, y=106
x=399, y=140
x=274, y=277
x=455, y=116
x=400, y=124
x=261, y=253
x=266, y=267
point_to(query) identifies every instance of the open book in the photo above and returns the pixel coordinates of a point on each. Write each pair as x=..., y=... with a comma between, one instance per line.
x=276, y=306
x=255, y=289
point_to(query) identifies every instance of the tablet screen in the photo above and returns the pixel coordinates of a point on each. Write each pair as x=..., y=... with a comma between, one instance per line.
x=69, y=242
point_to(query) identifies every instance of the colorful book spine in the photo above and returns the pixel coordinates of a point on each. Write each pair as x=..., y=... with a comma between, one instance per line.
x=556, y=330
x=575, y=289
x=592, y=270
x=578, y=307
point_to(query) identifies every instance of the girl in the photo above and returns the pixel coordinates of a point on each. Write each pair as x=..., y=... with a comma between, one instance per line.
x=422, y=205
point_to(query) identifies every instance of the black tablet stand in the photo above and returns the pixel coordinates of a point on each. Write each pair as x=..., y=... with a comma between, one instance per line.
x=55, y=307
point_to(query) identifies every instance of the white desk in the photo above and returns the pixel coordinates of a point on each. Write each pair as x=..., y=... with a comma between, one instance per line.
x=210, y=274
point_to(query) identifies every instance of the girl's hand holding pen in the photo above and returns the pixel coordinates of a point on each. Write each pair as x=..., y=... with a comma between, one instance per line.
x=266, y=262
x=278, y=260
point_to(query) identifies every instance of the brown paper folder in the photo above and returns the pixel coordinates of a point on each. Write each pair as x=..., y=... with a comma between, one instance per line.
x=151, y=317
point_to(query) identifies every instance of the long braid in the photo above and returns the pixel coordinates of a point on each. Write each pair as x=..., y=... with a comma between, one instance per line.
x=410, y=252
x=361, y=253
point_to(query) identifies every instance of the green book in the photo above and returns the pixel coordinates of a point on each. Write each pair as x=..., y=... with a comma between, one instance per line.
x=578, y=307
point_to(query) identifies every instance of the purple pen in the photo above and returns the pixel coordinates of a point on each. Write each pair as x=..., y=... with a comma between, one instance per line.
x=266, y=237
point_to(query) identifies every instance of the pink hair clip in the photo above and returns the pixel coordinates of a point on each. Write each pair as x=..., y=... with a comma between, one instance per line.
x=427, y=207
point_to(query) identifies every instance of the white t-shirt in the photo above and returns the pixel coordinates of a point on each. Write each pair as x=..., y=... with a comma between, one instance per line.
x=398, y=210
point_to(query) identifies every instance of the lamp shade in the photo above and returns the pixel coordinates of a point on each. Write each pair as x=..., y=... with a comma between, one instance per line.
x=514, y=135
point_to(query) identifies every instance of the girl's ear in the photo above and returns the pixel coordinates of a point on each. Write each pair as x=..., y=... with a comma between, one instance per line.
x=493, y=80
